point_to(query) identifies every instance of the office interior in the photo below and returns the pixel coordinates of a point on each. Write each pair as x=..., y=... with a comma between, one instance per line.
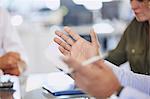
x=36, y=20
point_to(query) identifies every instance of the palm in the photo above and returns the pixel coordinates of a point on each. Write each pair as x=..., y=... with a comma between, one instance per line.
x=80, y=49
x=83, y=50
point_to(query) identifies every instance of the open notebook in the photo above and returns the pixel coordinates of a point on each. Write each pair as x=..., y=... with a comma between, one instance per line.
x=59, y=83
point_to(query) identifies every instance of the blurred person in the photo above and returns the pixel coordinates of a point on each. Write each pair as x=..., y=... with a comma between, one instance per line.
x=13, y=59
x=134, y=45
x=98, y=80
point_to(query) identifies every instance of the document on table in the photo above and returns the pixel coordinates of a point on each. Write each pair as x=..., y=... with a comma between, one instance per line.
x=57, y=81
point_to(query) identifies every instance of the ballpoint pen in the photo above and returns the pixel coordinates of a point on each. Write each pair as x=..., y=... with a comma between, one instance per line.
x=91, y=60
x=69, y=74
x=85, y=63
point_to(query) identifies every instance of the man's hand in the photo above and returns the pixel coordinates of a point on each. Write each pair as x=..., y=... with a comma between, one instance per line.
x=13, y=71
x=96, y=79
x=78, y=48
x=9, y=63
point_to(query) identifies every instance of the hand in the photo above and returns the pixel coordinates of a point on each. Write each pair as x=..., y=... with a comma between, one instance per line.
x=9, y=63
x=13, y=71
x=79, y=49
x=96, y=79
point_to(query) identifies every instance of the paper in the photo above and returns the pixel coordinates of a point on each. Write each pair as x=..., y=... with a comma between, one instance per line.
x=55, y=81
x=35, y=81
x=59, y=81
x=53, y=55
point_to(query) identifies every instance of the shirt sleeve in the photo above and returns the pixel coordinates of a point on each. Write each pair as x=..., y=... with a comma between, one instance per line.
x=11, y=40
x=118, y=55
x=128, y=78
x=130, y=93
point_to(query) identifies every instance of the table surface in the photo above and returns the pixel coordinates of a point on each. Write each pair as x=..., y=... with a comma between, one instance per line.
x=42, y=94
x=39, y=94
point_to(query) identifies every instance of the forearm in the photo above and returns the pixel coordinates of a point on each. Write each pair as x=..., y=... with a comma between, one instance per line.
x=128, y=78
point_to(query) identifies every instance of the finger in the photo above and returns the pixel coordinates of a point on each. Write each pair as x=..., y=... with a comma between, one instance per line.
x=70, y=32
x=7, y=66
x=64, y=37
x=94, y=37
x=14, y=54
x=63, y=44
x=10, y=63
x=14, y=71
x=63, y=51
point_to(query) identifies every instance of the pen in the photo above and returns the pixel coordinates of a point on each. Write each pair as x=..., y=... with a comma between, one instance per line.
x=69, y=74
x=91, y=60
x=85, y=63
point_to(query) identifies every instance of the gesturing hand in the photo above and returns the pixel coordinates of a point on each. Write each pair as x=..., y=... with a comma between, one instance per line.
x=79, y=48
x=97, y=79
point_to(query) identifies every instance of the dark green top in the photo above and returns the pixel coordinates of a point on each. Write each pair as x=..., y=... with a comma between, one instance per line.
x=134, y=47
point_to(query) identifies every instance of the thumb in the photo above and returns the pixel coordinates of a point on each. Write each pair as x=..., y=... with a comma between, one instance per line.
x=94, y=37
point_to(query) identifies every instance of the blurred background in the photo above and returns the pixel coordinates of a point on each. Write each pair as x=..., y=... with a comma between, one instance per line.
x=36, y=20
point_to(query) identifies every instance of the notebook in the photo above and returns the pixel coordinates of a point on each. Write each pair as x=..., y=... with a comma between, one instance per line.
x=59, y=84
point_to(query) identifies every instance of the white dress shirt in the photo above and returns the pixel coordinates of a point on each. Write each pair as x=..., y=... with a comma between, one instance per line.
x=9, y=39
x=130, y=93
x=132, y=81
